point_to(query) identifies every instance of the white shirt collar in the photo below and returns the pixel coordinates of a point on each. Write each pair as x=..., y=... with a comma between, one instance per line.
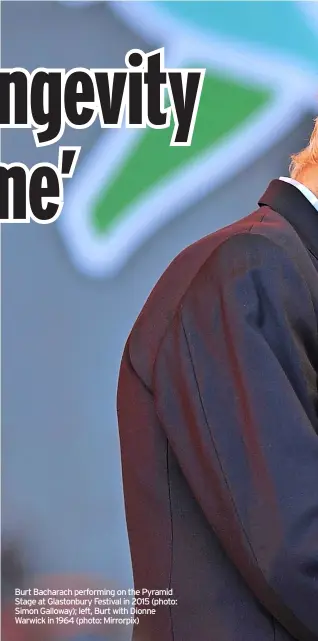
x=309, y=195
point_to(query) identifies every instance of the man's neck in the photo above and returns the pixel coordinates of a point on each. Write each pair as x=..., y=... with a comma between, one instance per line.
x=304, y=189
x=309, y=178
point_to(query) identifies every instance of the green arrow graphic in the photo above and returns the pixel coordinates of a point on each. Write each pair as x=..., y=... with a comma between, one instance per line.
x=225, y=104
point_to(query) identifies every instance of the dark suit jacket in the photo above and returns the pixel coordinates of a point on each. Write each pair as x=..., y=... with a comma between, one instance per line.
x=217, y=407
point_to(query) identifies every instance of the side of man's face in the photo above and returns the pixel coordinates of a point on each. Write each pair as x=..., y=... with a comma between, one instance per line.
x=304, y=164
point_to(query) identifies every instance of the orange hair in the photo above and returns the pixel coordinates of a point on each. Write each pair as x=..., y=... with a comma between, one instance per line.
x=307, y=157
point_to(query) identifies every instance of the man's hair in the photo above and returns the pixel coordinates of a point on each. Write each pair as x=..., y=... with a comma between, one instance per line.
x=306, y=157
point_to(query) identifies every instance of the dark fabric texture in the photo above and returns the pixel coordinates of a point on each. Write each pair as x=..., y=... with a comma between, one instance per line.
x=217, y=409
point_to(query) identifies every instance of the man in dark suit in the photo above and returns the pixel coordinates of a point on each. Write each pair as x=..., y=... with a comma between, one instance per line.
x=217, y=408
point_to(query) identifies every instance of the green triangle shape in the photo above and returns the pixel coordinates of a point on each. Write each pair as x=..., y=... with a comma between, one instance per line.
x=224, y=105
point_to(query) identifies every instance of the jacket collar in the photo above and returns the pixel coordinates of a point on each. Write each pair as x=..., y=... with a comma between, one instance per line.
x=289, y=202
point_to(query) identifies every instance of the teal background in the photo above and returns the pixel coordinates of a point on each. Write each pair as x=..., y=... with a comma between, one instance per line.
x=278, y=26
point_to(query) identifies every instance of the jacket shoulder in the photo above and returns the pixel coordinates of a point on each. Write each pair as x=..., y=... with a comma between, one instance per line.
x=269, y=237
x=259, y=238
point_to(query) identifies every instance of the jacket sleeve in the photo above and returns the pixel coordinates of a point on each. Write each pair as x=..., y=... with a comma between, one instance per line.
x=236, y=392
